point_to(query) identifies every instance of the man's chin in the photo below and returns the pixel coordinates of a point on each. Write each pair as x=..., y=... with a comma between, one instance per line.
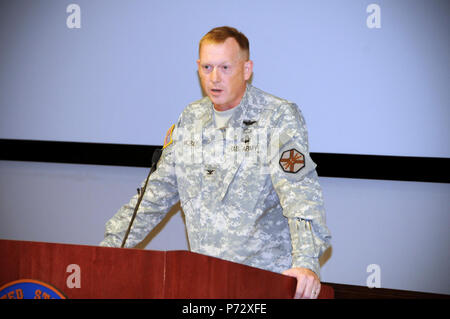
x=216, y=101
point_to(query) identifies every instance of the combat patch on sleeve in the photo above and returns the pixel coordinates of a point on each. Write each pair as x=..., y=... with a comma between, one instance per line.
x=168, y=139
x=292, y=161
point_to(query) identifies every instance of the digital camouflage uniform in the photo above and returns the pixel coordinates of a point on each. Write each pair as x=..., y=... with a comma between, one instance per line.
x=250, y=192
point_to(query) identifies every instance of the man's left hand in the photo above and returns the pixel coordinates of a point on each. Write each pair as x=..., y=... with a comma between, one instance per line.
x=308, y=283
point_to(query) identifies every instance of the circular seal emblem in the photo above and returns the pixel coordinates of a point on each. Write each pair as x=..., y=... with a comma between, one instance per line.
x=29, y=289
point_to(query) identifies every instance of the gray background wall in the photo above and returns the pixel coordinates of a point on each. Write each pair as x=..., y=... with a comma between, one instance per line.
x=127, y=73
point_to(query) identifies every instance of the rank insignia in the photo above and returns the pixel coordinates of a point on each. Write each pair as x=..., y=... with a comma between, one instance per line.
x=168, y=138
x=292, y=161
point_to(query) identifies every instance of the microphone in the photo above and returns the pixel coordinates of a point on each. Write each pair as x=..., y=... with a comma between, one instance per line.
x=155, y=158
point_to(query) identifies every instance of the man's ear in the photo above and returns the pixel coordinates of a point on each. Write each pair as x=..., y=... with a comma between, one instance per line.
x=248, y=69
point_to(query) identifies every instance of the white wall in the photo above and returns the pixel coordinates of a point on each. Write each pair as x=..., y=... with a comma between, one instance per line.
x=400, y=226
x=127, y=73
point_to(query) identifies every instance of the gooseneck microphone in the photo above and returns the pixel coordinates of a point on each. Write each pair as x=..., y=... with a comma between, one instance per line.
x=141, y=191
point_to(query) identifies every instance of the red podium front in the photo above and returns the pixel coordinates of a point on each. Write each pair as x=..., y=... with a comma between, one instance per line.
x=80, y=271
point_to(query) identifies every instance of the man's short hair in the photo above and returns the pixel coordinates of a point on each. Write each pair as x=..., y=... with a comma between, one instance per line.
x=220, y=34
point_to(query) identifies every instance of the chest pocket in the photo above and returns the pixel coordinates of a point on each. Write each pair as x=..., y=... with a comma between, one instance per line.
x=188, y=167
x=245, y=170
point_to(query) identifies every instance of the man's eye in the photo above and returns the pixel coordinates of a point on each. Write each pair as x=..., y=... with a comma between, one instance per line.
x=206, y=68
x=226, y=69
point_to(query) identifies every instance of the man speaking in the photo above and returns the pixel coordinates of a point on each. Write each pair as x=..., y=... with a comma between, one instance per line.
x=238, y=162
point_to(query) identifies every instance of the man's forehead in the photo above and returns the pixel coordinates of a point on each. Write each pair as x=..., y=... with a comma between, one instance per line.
x=227, y=50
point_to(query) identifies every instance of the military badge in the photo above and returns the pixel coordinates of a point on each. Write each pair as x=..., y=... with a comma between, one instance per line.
x=168, y=138
x=292, y=161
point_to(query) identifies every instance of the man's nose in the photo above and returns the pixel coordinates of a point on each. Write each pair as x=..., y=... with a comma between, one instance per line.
x=215, y=76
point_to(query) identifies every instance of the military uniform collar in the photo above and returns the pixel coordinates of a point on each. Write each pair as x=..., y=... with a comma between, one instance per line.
x=239, y=115
x=241, y=112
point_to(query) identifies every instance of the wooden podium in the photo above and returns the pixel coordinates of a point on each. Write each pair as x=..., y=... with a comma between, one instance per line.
x=79, y=271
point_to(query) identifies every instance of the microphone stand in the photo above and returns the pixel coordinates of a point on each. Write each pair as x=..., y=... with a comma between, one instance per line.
x=156, y=155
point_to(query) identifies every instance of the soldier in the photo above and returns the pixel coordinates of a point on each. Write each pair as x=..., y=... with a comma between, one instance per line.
x=238, y=162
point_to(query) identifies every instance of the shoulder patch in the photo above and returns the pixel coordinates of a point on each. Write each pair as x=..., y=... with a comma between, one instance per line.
x=168, y=138
x=292, y=161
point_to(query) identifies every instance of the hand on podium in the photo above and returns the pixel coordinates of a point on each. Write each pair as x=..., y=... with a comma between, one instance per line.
x=308, y=283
